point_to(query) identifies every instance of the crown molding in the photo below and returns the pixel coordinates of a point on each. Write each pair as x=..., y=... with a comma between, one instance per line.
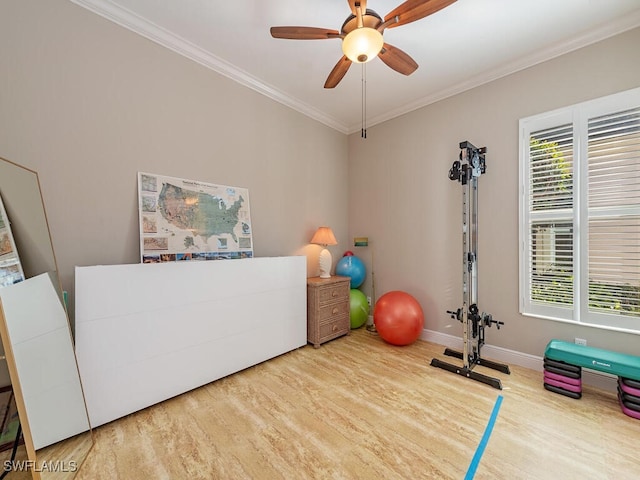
x=137, y=24
x=133, y=22
x=606, y=31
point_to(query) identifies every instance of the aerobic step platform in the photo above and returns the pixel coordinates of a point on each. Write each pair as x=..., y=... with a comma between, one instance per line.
x=563, y=363
x=620, y=364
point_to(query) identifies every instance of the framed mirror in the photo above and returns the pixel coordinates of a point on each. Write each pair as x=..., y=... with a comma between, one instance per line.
x=39, y=378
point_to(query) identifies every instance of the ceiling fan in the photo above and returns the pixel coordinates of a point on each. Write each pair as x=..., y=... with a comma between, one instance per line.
x=361, y=35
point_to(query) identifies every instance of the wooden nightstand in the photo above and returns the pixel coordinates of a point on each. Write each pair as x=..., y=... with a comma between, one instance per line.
x=328, y=305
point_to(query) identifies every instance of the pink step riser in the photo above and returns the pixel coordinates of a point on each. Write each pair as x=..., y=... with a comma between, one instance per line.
x=561, y=378
x=565, y=386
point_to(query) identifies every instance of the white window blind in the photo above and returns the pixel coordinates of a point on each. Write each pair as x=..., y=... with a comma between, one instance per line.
x=551, y=210
x=580, y=213
x=614, y=212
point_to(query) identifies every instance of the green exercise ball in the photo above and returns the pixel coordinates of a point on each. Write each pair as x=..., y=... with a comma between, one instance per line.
x=359, y=311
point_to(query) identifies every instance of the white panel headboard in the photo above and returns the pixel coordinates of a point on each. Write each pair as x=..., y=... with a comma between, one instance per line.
x=148, y=332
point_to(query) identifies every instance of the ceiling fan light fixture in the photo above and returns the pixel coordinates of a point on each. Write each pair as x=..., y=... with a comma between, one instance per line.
x=362, y=45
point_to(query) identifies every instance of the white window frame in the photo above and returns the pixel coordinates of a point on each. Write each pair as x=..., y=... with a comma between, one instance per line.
x=577, y=115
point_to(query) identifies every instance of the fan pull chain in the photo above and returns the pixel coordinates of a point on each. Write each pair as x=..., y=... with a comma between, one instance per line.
x=363, y=130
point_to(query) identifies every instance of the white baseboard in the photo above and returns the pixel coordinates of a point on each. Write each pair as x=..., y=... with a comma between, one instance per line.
x=512, y=357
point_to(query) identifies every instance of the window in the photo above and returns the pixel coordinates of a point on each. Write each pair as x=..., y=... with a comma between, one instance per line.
x=580, y=213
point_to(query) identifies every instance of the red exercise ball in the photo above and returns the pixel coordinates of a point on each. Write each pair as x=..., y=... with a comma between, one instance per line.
x=398, y=318
x=348, y=253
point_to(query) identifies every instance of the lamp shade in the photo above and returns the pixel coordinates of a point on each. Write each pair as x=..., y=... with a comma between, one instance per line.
x=362, y=45
x=324, y=236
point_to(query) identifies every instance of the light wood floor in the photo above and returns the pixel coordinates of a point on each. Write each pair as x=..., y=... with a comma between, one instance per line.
x=358, y=408
x=21, y=455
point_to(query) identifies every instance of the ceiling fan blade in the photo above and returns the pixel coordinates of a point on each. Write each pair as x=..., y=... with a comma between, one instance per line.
x=397, y=59
x=363, y=6
x=413, y=10
x=338, y=72
x=304, y=33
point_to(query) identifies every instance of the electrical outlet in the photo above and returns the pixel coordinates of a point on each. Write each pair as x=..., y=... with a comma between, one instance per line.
x=580, y=341
x=369, y=300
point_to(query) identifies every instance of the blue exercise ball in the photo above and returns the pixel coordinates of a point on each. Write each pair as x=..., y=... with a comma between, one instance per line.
x=351, y=266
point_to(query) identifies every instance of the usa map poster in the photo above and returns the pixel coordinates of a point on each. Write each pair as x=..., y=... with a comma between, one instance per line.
x=191, y=220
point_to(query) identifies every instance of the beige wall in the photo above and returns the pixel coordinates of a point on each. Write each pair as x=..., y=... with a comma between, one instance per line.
x=88, y=104
x=400, y=196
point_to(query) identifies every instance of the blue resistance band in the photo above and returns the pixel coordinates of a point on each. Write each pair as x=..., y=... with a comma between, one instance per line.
x=485, y=439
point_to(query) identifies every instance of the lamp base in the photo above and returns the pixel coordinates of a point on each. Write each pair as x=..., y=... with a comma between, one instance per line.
x=325, y=262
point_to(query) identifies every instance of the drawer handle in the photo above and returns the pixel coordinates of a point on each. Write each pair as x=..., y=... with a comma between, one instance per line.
x=334, y=293
x=335, y=310
x=335, y=328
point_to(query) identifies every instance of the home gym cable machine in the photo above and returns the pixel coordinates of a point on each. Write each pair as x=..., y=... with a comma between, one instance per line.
x=467, y=170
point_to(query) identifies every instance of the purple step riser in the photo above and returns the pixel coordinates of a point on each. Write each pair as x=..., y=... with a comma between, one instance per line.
x=627, y=389
x=565, y=386
x=628, y=411
x=561, y=378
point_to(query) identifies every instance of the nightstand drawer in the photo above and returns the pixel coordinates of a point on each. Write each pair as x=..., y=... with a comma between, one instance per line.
x=328, y=305
x=333, y=293
x=336, y=327
x=333, y=310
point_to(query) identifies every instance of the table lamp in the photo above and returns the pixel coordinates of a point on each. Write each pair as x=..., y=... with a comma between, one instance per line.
x=324, y=236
